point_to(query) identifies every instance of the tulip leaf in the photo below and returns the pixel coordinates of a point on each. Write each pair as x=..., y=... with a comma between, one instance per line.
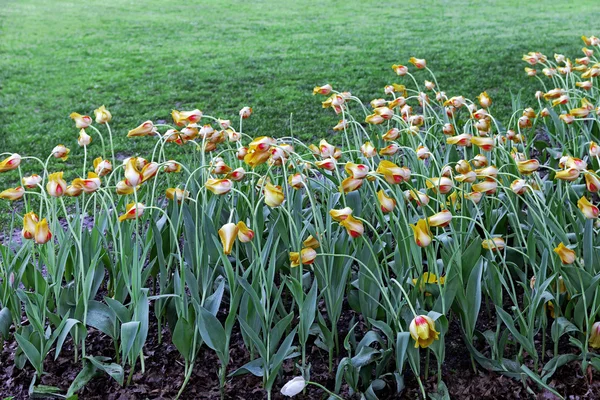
x=115, y=371
x=5, y=322
x=64, y=330
x=31, y=352
x=212, y=331
x=83, y=377
x=129, y=331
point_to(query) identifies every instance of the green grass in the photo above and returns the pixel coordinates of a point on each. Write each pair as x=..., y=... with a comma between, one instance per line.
x=143, y=59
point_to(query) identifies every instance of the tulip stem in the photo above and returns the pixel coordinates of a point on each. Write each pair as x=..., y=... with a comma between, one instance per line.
x=329, y=392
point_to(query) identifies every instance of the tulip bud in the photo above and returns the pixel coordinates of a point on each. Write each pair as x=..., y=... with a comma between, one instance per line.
x=324, y=90
x=422, y=330
x=32, y=181
x=245, y=112
x=145, y=129
x=245, y=234
x=30, y=221
x=293, y=387
x=589, y=210
x=12, y=194
x=218, y=186
x=567, y=256
x=84, y=139
x=102, y=115
x=441, y=219
x=386, y=203
x=422, y=233
x=61, y=152
x=42, y=233
x=353, y=226
x=307, y=256
x=273, y=195
x=56, y=185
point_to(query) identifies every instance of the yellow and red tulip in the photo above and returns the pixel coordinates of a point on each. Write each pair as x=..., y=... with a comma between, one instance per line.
x=324, y=90
x=245, y=112
x=496, y=243
x=177, y=194
x=353, y=226
x=12, y=194
x=10, y=163
x=567, y=256
x=42, y=233
x=132, y=211
x=218, y=186
x=81, y=121
x=145, y=129
x=228, y=233
x=589, y=210
x=32, y=181
x=182, y=118
x=420, y=63
x=61, y=152
x=273, y=195
x=307, y=256
x=393, y=174
x=340, y=215
x=422, y=330
x=89, y=185
x=441, y=219
x=245, y=234
x=56, y=185
x=30, y=221
x=422, y=233
x=594, y=340
x=386, y=203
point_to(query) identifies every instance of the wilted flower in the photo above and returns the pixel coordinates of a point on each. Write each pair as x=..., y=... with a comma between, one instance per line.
x=81, y=121
x=273, y=195
x=102, y=115
x=422, y=233
x=42, y=233
x=496, y=243
x=354, y=226
x=293, y=387
x=10, y=163
x=340, y=215
x=307, y=256
x=12, y=194
x=182, y=118
x=588, y=209
x=145, y=129
x=177, y=194
x=218, y=186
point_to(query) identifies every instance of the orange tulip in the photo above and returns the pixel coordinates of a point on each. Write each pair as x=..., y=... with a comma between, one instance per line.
x=567, y=256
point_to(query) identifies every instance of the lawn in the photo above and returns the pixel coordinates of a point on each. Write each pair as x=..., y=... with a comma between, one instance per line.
x=143, y=60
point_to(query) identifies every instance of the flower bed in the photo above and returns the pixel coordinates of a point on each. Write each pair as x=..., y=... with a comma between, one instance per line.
x=426, y=210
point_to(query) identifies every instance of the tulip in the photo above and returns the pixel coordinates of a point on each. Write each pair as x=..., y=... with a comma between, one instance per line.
x=74, y=190
x=496, y=243
x=484, y=143
x=42, y=233
x=123, y=188
x=133, y=177
x=487, y=172
x=293, y=387
x=311, y=241
x=89, y=185
x=585, y=85
x=30, y=221
x=468, y=177
x=420, y=63
x=393, y=174
x=422, y=330
x=245, y=234
x=218, y=186
x=428, y=278
x=422, y=233
x=182, y=118
x=340, y=215
x=81, y=121
x=418, y=197
x=307, y=256
x=12, y=194
x=484, y=100
x=353, y=226
x=460, y=140
x=245, y=112
x=443, y=185
x=172, y=166
x=326, y=164
x=567, y=118
x=177, y=194
x=32, y=181
x=132, y=211
x=567, y=256
x=389, y=150
x=519, y=186
x=145, y=129
x=594, y=336
x=324, y=90
x=149, y=171
x=356, y=171
x=61, y=152
x=488, y=186
x=589, y=210
x=368, y=150
x=570, y=174
x=400, y=70
x=392, y=134
x=350, y=184
x=56, y=185
x=10, y=163
x=228, y=234
x=273, y=195
x=386, y=203
x=441, y=219
x=102, y=115
x=529, y=166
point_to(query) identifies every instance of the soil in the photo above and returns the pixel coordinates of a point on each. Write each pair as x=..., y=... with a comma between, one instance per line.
x=165, y=369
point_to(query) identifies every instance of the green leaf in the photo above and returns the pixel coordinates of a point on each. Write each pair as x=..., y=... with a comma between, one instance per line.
x=129, y=331
x=115, y=371
x=183, y=337
x=69, y=324
x=83, y=377
x=31, y=352
x=5, y=322
x=212, y=331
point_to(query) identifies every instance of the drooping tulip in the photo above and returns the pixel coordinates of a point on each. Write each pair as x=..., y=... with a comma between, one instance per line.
x=145, y=129
x=219, y=186
x=567, y=256
x=149, y=171
x=340, y=215
x=354, y=227
x=393, y=174
x=10, y=163
x=594, y=340
x=12, y=194
x=132, y=211
x=245, y=234
x=422, y=330
x=31, y=181
x=81, y=121
x=420, y=63
x=61, y=152
x=182, y=118
x=442, y=184
x=89, y=185
x=177, y=194
x=496, y=243
x=293, y=387
x=441, y=219
x=386, y=203
x=307, y=256
x=588, y=209
x=311, y=241
x=123, y=188
x=245, y=112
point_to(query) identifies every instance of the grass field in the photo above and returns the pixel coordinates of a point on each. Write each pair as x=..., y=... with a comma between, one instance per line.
x=143, y=59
